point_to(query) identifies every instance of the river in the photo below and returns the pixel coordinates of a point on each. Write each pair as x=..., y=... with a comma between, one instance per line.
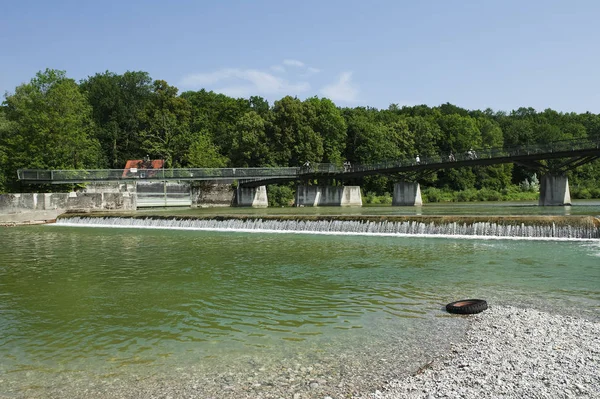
x=101, y=308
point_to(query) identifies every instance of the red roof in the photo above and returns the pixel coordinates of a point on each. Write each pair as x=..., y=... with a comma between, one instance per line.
x=141, y=164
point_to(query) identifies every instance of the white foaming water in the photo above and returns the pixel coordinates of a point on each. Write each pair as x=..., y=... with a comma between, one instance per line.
x=478, y=230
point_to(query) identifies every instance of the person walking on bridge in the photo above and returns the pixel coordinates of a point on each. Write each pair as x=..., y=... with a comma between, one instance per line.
x=306, y=166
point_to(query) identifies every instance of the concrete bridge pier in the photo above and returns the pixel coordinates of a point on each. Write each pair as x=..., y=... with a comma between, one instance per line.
x=255, y=197
x=328, y=196
x=407, y=194
x=554, y=191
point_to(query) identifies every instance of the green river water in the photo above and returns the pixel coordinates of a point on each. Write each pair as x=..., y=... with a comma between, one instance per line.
x=81, y=306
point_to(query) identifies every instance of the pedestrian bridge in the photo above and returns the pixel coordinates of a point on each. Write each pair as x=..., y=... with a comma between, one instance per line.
x=572, y=153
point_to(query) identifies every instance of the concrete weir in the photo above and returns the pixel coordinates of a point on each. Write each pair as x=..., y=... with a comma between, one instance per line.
x=499, y=227
x=407, y=194
x=554, y=191
x=328, y=196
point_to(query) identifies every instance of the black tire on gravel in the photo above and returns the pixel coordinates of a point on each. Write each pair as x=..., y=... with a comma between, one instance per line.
x=467, y=306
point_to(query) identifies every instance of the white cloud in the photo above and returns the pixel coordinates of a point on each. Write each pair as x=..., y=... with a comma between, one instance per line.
x=343, y=90
x=293, y=63
x=244, y=82
x=278, y=68
x=313, y=70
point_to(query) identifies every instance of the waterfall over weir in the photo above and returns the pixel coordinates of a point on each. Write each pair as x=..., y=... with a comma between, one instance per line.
x=466, y=227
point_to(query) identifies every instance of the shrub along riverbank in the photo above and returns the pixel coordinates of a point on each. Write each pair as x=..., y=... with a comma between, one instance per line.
x=284, y=195
x=512, y=193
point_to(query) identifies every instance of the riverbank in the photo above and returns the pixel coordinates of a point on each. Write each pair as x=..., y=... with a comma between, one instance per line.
x=513, y=353
x=506, y=352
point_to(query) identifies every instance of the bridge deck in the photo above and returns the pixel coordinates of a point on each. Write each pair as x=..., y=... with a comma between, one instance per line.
x=586, y=150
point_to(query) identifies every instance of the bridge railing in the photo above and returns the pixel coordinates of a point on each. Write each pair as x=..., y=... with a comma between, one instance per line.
x=77, y=175
x=321, y=168
x=66, y=176
x=483, y=153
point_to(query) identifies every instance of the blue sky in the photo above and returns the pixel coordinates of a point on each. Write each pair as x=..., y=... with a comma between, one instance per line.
x=474, y=54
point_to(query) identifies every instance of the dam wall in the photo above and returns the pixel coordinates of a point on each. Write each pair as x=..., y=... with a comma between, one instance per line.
x=39, y=207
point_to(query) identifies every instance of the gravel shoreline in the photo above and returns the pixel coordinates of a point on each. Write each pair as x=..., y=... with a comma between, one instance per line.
x=510, y=352
x=507, y=352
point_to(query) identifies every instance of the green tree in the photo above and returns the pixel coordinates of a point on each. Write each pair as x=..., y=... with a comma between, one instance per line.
x=495, y=177
x=364, y=137
x=518, y=127
x=458, y=133
x=591, y=123
x=371, y=141
x=250, y=147
x=7, y=130
x=203, y=153
x=218, y=115
x=326, y=120
x=166, y=125
x=259, y=105
x=426, y=134
x=117, y=102
x=53, y=128
x=293, y=139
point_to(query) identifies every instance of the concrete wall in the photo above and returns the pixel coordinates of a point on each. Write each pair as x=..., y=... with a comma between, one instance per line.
x=109, y=187
x=255, y=197
x=162, y=194
x=212, y=195
x=179, y=193
x=407, y=194
x=26, y=207
x=31, y=207
x=554, y=191
x=328, y=196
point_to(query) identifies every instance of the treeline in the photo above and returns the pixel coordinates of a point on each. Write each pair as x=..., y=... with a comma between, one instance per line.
x=54, y=122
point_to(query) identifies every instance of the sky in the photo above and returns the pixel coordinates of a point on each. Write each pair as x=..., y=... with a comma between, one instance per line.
x=476, y=54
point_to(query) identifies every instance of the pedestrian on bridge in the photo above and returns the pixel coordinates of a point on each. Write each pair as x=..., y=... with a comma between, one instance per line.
x=418, y=160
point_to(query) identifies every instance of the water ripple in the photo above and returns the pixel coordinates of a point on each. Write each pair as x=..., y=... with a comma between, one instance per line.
x=104, y=298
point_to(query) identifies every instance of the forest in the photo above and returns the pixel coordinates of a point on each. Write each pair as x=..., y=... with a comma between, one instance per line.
x=55, y=122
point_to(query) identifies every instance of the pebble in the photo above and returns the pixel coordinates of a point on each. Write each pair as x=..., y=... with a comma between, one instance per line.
x=491, y=363
x=506, y=353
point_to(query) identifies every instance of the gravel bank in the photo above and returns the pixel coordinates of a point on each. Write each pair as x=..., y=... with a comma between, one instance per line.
x=511, y=353
x=507, y=353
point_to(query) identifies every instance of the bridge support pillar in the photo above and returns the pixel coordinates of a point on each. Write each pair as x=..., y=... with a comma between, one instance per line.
x=554, y=191
x=255, y=197
x=407, y=194
x=328, y=196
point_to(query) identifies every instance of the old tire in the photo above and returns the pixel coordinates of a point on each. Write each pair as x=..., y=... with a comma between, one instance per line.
x=467, y=306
